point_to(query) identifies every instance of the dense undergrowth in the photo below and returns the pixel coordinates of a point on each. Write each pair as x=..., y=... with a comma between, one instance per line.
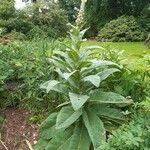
x=24, y=66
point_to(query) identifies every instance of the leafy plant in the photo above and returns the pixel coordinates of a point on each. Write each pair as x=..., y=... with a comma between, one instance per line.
x=88, y=111
x=132, y=136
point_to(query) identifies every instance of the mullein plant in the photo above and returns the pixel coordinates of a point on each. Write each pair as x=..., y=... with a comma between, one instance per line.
x=81, y=122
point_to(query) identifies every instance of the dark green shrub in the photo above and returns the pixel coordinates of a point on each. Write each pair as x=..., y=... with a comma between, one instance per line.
x=7, y=9
x=125, y=28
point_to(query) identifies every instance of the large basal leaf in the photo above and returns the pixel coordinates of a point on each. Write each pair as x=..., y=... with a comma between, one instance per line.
x=47, y=128
x=67, y=116
x=49, y=85
x=106, y=73
x=103, y=110
x=80, y=139
x=94, y=79
x=77, y=100
x=108, y=98
x=60, y=141
x=95, y=128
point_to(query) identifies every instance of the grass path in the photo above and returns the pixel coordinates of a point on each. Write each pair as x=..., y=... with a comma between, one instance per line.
x=131, y=49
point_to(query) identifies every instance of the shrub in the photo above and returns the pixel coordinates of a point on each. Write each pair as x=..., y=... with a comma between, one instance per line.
x=7, y=9
x=125, y=28
x=50, y=19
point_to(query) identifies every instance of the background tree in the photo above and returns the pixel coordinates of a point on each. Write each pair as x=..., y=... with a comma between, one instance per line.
x=104, y=11
x=70, y=6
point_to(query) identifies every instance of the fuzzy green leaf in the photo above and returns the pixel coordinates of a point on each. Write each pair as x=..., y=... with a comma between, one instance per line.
x=60, y=141
x=108, y=98
x=49, y=85
x=95, y=128
x=80, y=139
x=47, y=128
x=94, y=79
x=103, y=110
x=106, y=73
x=68, y=75
x=67, y=116
x=77, y=100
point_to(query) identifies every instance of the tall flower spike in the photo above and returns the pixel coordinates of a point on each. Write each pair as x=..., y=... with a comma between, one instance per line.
x=80, y=17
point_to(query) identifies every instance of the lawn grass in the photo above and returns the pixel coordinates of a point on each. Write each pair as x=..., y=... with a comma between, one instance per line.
x=131, y=49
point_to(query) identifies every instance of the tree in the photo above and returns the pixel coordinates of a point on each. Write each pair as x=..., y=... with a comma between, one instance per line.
x=7, y=9
x=104, y=11
x=70, y=6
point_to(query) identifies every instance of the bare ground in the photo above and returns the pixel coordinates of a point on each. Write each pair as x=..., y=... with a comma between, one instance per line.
x=16, y=131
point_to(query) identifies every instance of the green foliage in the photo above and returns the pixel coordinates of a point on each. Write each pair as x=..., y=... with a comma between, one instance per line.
x=7, y=9
x=132, y=136
x=42, y=17
x=125, y=28
x=23, y=66
x=144, y=20
x=103, y=11
x=71, y=7
x=78, y=74
x=48, y=19
x=133, y=81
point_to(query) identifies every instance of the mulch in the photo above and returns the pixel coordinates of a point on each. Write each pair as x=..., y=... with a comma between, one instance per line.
x=16, y=130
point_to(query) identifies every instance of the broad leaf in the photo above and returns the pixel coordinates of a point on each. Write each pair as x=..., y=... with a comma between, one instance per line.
x=68, y=75
x=106, y=73
x=95, y=128
x=103, y=110
x=108, y=98
x=49, y=85
x=94, y=79
x=77, y=100
x=101, y=63
x=60, y=141
x=47, y=128
x=85, y=48
x=80, y=139
x=67, y=116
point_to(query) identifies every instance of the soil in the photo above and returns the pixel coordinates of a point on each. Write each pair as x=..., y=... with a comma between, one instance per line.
x=16, y=131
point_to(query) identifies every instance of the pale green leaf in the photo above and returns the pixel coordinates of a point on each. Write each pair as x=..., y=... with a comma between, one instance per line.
x=94, y=79
x=67, y=116
x=68, y=75
x=60, y=141
x=106, y=73
x=102, y=63
x=80, y=139
x=47, y=128
x=108, y=97
x=49, y=85
x=85, y=48
x=103, y=110
x=95, y=128
x=77, y=100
